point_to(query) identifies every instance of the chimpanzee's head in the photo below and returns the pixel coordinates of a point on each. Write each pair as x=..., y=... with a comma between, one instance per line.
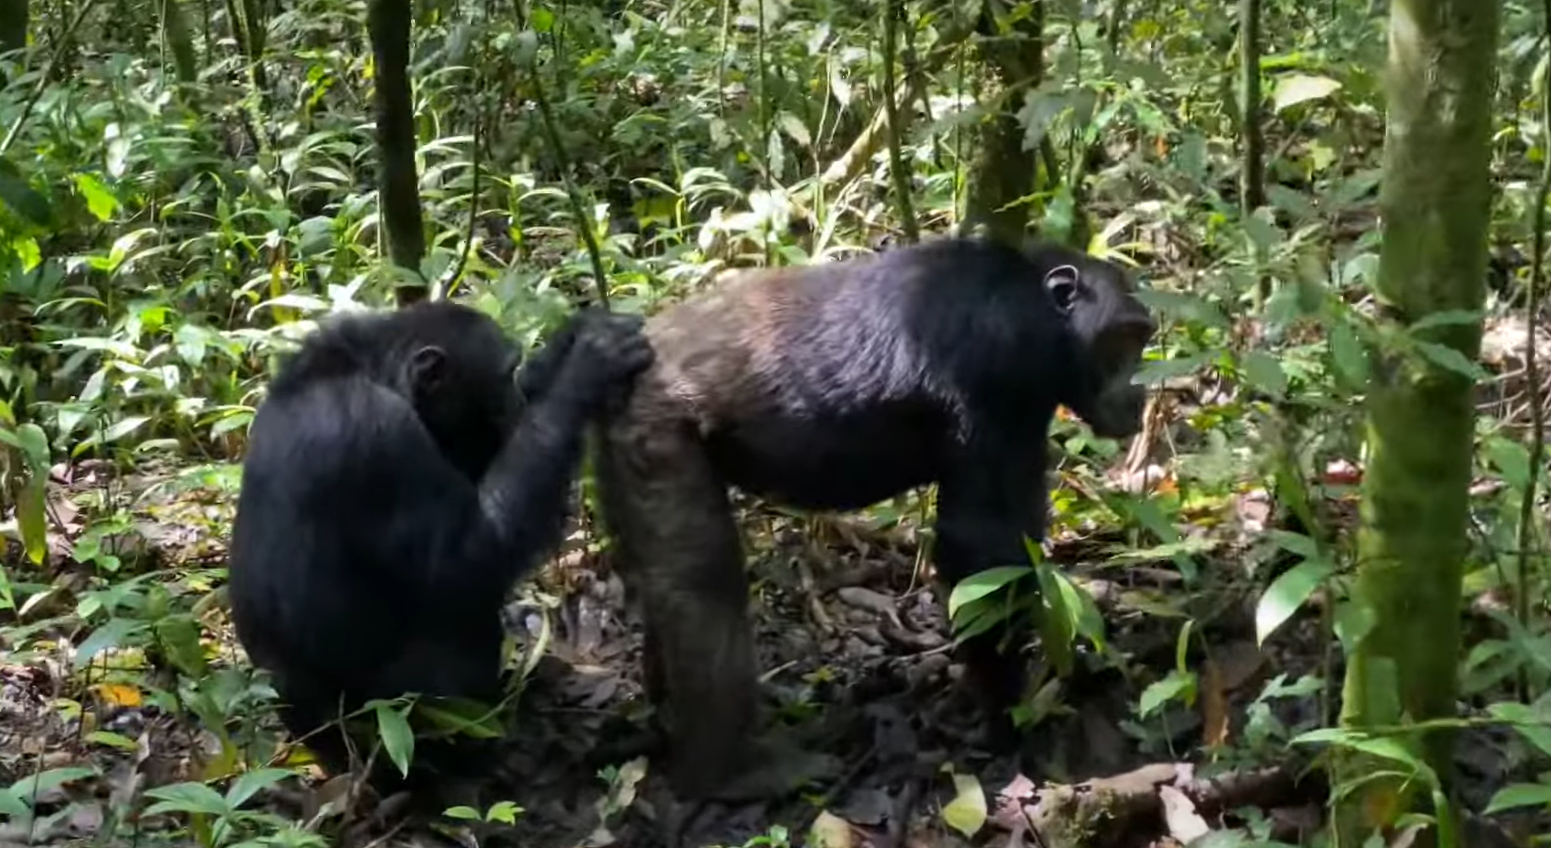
x=458, y=370
x=1109, y=328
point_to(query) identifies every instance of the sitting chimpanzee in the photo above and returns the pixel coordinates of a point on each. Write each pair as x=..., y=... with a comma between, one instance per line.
x=833, y=387
x=399, y=478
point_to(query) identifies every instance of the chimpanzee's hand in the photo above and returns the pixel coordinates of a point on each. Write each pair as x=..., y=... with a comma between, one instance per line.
x=608, y=352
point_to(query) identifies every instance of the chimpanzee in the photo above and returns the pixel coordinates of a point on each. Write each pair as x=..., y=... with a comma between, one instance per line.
x=835, y=386
x=398, y=480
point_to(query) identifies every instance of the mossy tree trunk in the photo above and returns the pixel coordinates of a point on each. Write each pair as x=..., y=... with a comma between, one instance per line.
x=1435, y=204
x=1004, y=172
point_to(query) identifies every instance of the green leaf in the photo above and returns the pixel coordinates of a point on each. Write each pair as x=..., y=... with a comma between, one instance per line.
x=187, y=798
x=1158, y=370
x=114, y=634
x=48, y=781
x=1519, y=795
x=981, y=584
x=1295, y=543
x=1523, y=718
x=122, y=428
x=1287, y=593
x=461, y=812
x=505, y=812
x=1264, y=372
x=1292, y=89
x=99, y=198
x=1445, y=318
x=966, y=813
x=251, y=782
x=1177, y=685
x=1512, y=459
x=1350, y=356
x=1447, y=357
x=32, y=517
x=397, y=738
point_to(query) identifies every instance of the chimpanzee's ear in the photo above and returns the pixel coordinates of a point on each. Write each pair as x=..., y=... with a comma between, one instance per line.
x=427, y=368
x=1064, y=282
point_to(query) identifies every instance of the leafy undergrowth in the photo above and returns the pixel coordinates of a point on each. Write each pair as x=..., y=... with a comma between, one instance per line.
x=1179, y=716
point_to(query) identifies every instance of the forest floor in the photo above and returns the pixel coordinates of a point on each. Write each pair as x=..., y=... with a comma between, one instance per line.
x=856, y=652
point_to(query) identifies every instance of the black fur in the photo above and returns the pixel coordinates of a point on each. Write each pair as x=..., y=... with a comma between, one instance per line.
x=836, y=386
x=398, y=481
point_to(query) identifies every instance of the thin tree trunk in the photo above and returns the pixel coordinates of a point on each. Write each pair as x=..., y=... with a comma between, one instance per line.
x=13, y=24
x=1434, y=203
x=893, y=15
x=175, y=34
x=398, y=183
x=1004, y=172
x=1252, y=187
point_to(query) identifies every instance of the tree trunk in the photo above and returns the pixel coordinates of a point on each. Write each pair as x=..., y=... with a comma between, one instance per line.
x=13, y=24
x=1004, y=171
x=1411, y=545
x=176, y=33
x=398, y=184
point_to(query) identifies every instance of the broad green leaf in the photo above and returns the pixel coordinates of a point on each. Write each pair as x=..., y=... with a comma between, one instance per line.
x=32, y=517
x=1158, y=370
x=966, y=813
x=99, y=198
x=112, y=740
x=1296, y=543
x=1287, y=593
x=981, y=584
x=1445, y=318
x=1519, y=795
x=1350, y=356
x=251, y=782
x=120, y=429
x=187, y=798
x=48, y=781
x=1524, y=719
x=1511, y=458
x=1176, y=685
x=1057, y=622
x=1447, y=357
x=13, y=806
x=1264, y=372
x=505, y=812
x=114, y=634
x=1292, y=89
x=397, y=738
x=1353, y=621
x=461, y=812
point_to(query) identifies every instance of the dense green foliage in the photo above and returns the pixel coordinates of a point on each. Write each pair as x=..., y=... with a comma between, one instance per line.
x=186, y=186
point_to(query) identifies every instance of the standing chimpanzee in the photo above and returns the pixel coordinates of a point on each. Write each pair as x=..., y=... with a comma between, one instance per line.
x=834, y=387
x=398, y=481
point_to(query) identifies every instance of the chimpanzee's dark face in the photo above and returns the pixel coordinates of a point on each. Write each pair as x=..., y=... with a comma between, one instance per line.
x=1111, y=328
x=465, y=392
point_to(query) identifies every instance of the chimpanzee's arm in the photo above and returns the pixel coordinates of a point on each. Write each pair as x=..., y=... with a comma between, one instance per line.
x=538, y=374
x=990, y=496
x=992, y=493
x=453, y=546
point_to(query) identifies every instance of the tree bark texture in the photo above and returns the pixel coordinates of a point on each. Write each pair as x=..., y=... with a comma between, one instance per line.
x=1004, y=171
x=1435, y=204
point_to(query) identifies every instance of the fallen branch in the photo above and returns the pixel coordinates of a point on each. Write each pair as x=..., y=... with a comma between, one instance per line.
x=1109, y=811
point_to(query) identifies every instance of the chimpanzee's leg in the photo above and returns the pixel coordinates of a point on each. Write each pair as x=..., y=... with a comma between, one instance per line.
x=680, y=553
x=988, y=499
